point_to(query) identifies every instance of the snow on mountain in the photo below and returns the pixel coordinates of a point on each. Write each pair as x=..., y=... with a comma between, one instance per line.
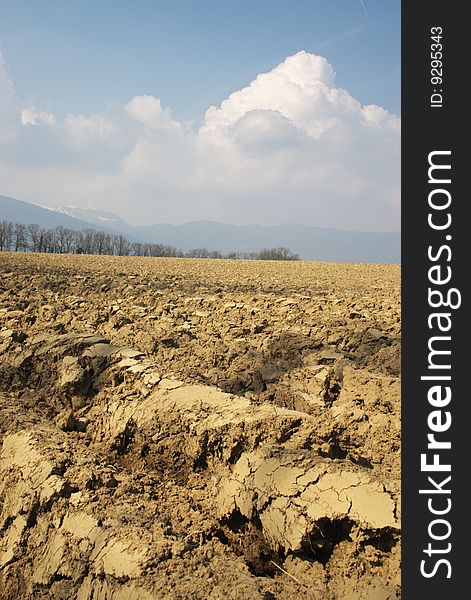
x=94, y=216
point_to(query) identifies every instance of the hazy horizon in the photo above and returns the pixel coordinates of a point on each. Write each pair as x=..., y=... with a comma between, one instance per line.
x=75, y=212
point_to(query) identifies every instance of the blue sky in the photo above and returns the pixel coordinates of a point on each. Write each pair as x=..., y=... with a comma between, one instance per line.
x=266, y=111
x=79, y=55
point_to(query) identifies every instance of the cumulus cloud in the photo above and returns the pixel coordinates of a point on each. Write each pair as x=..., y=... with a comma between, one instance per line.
x=30, y=116
x=377, y=117
x=290, y=146
x=301, y=89
x=298, y=89
x=84, y=130
x=265, y=131
x=148, y=110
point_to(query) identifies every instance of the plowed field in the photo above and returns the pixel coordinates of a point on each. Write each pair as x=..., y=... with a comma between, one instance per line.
x=198, y=429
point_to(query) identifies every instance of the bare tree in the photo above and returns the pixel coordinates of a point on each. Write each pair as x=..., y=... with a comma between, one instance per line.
x=35, y=237
x=122, y=246
x=49, y=241
x=280, y=253
x=70, y=240
x=86, y=241
x=198, y=253
x=60, y=235
x=108, y=244
x=137, y=248
x=215, y=254
x=6, y=235
x=20, y=237
x=99, y=242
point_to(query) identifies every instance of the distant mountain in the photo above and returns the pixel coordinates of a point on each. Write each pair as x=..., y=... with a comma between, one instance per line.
x=94, y=217
x=18, y=211
x=311, y=243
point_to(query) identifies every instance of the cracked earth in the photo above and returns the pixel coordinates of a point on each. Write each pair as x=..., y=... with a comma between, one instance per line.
x=199, y=429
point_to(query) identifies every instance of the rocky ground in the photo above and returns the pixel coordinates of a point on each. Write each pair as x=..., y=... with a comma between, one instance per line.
x=198, y=429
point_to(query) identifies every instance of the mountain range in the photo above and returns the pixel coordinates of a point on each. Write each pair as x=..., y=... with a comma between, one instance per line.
x=311, y=243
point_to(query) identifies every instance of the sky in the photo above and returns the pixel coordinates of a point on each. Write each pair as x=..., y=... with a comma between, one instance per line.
x=266, y=111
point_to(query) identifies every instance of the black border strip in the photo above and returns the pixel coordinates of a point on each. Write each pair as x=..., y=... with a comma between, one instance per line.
x=427, y=128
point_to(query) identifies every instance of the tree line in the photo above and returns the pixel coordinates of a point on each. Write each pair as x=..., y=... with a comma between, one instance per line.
x=18, y=237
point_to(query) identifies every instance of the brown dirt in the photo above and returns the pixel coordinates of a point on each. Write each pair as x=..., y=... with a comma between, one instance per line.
x=198, y=429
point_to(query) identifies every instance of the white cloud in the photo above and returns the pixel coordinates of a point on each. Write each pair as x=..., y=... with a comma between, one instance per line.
x=148, y=110
x=265, y=131
x=301, y=89
x=290, y=146
x=30, y=116
x=377, y=117
x=84, y=130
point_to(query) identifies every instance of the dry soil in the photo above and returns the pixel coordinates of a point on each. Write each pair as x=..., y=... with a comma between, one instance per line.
x=198, y=429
